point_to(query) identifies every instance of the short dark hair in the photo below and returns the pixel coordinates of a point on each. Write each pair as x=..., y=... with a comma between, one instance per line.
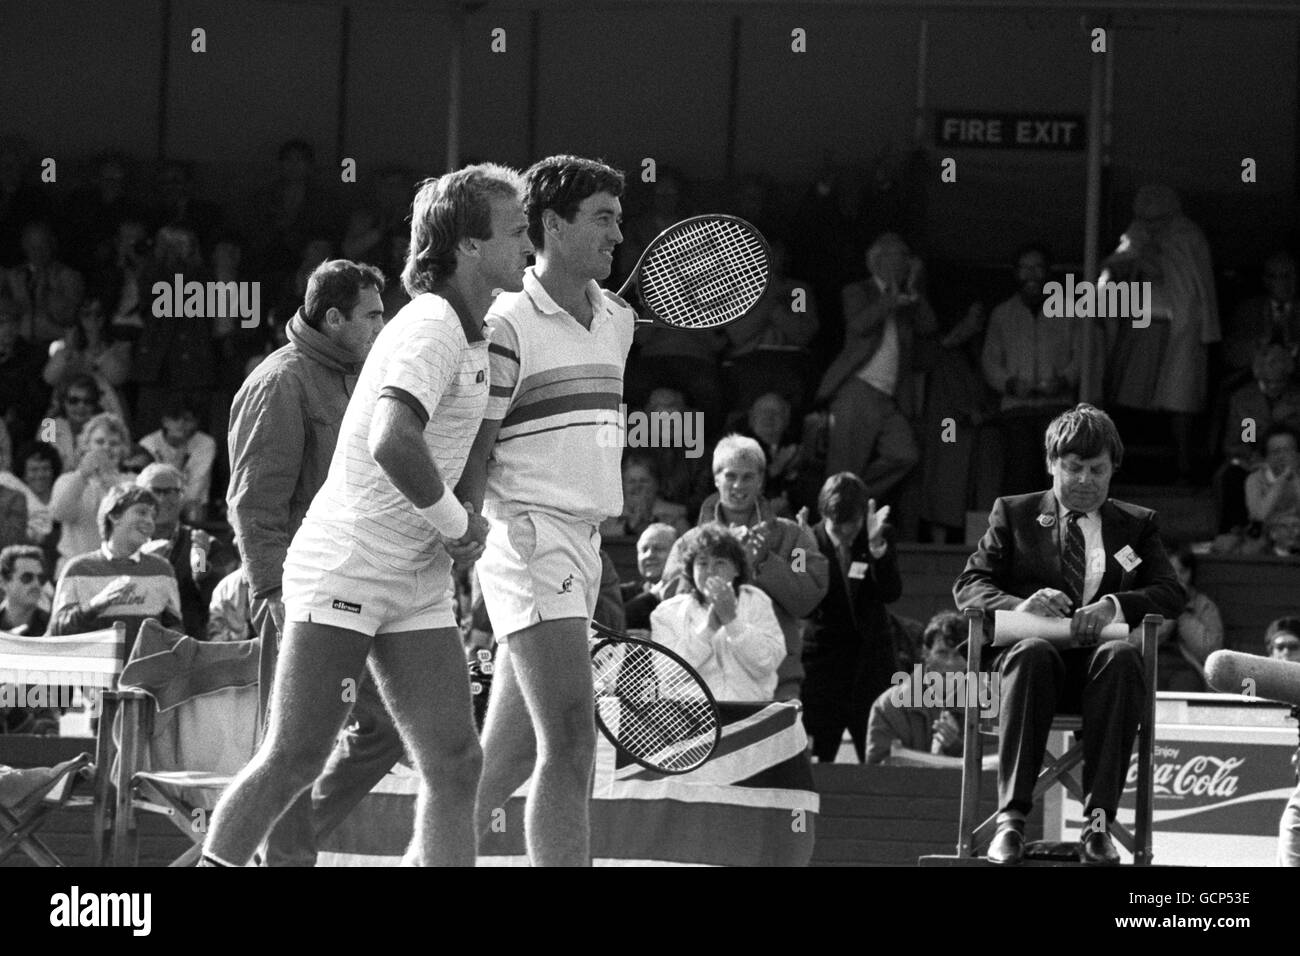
x=1086, y=431
x=946, y=625
x=843, y=498
x=448, y=209
x=642, y=460
x=181, y=406
x=1280, y=428
x=561, y=183
x=1283, y=625
x=712, y=538
x=84, y=382
x=1028, y=247
x=116, y=503
x=43, y=450
x=337, y=284
x=10, y=556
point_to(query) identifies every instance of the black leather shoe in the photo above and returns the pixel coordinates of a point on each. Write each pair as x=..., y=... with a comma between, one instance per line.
x=1097, y=847
x=1008, y=846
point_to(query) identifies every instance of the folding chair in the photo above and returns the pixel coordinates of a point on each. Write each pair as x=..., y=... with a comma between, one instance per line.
x=972, y=838
x=188, y=725
x=27, y=798
x=89, y=661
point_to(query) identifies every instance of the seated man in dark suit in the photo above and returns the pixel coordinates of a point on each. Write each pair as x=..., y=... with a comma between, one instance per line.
x=1070, y=552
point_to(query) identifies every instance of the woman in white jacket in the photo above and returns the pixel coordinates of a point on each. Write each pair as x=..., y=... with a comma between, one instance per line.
x=725, y=628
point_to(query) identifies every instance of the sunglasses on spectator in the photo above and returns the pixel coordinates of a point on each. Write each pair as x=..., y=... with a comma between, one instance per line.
x=27, y=577
x=79, y=400
x=165, y=491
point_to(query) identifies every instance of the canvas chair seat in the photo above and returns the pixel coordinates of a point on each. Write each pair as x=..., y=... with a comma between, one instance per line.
x=27, y=799
x=91, y=660
x=189, y=728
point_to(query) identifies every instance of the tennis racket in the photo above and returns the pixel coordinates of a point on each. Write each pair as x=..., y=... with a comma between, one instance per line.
x=702, y=273
x=651, y=704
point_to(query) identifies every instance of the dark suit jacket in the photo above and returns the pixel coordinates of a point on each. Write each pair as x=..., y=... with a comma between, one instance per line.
x=864, y=329
x=849, y=651
x=1018, y=555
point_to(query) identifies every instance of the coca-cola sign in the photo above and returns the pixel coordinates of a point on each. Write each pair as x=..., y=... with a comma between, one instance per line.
x=1180, y=773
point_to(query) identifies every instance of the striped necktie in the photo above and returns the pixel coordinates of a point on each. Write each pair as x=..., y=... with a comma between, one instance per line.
x=1074, y=562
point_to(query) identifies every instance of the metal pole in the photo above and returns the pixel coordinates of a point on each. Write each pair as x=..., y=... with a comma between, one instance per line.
x=1090, y=378
x=922, y=68
x=455, y=39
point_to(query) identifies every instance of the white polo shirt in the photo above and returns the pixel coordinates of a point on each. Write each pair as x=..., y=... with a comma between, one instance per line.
x=556, y=387
x=435, y=362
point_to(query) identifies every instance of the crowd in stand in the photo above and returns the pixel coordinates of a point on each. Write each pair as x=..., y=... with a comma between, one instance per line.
x=861, y=388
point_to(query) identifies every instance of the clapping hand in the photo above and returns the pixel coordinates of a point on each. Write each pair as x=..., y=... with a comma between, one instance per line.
x=755, y=541
x=945, y=733
x=722, y=600
x=876, y=523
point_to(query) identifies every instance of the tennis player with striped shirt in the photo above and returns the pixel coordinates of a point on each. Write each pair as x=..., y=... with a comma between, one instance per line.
x=369, y=571
x=546, y=482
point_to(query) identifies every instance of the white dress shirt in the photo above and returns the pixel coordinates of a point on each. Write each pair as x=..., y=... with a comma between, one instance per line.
x=1094, y=550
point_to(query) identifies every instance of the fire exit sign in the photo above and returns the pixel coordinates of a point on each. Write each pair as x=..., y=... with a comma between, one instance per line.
x=1051, y=131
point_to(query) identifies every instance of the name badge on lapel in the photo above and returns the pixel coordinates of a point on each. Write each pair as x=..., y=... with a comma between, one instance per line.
x=1128, y=558
x=858, y=570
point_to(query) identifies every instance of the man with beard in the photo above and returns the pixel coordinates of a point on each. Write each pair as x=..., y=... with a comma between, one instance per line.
x=1033, y=363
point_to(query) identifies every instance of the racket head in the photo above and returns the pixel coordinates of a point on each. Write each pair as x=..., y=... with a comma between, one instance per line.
x=652, y=705
x=704, y=272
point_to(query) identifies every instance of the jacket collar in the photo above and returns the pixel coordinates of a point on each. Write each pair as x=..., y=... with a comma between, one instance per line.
x=761, y=508
x=317, y=346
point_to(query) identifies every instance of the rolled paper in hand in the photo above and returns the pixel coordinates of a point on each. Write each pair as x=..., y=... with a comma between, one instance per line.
x=1012, y=626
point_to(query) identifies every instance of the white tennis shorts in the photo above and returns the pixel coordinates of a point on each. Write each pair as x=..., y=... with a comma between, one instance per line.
x=538, y=567
x=328, y=581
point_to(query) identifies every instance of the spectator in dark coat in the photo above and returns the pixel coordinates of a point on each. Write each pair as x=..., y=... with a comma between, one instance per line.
x=849, y=657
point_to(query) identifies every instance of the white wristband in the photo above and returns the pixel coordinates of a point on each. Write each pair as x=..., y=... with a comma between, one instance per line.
x=448, y=516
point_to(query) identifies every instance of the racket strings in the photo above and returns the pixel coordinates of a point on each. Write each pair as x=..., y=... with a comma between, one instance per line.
x=705, y=275
x=653, y=707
